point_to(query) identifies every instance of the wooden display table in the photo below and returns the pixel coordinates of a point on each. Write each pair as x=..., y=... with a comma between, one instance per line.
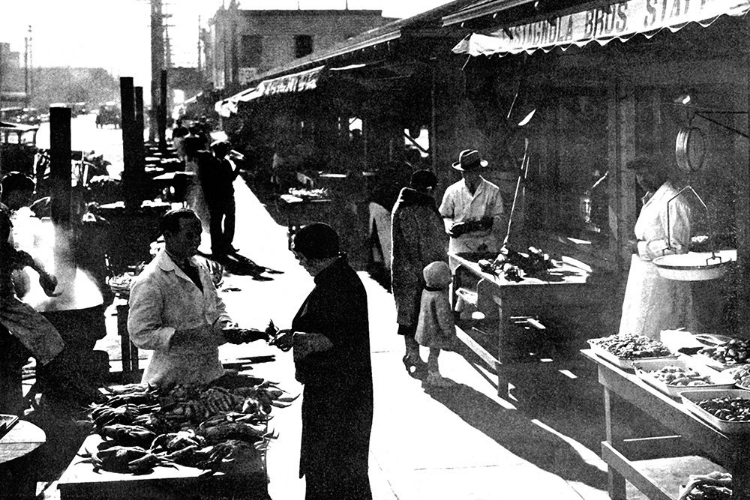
x=81, y=481
x=564, y=292
x=691, y=436
x=299, y=212
x=15, y=452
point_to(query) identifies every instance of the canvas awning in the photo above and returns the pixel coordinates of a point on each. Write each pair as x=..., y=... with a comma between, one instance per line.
x=600, y=23
x=296, y=82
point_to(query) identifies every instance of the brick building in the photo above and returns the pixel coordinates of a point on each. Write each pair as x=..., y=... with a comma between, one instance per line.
x=245, y=43
x=11, y=75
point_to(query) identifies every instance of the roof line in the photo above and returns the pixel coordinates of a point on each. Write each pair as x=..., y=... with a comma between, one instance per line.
x=482, y=10
x=382, y=34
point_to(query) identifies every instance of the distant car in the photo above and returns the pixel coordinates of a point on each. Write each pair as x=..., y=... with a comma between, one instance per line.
x=26, y=116
x=109, y=114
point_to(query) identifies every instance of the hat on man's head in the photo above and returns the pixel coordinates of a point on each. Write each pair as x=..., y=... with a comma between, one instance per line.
x=469, y=159
x=316, y=241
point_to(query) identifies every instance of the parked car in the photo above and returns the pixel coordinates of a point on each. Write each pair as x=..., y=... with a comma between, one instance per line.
x=26, y=116
x=109, y=114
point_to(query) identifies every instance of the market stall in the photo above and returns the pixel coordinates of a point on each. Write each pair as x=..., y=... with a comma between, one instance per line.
x=299, y=211
x=694, y=432
x=188, y=440
x=610, y=83
x=514, y=309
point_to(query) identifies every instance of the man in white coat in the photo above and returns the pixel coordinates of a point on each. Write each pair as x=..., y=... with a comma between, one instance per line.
x=175, y=310
x=653, y=303
x=472, y=208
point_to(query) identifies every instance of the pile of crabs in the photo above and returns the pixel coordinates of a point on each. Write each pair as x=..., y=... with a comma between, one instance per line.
x=207, y=427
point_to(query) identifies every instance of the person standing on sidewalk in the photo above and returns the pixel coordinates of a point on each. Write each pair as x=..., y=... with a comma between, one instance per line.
x=179, y=132
x=418, y=238
x=330, y=336
x=436, y=328
x=217, y=179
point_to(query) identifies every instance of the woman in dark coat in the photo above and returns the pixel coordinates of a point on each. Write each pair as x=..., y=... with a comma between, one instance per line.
x=331, y=340
x=418, y=238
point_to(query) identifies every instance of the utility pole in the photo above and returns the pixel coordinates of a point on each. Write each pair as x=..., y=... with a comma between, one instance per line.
x=157, y=65
x=26, y=70
x=199, y=45
x=31, y=64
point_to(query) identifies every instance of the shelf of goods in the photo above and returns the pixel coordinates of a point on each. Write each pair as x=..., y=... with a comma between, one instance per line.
x=692, y=433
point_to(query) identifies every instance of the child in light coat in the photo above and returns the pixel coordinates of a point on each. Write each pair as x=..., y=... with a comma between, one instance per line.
x=436, y=328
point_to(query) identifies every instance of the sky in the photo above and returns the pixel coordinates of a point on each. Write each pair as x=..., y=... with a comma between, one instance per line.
x=115, y=34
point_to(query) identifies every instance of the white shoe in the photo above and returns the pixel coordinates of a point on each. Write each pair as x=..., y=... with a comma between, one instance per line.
x=436, y=380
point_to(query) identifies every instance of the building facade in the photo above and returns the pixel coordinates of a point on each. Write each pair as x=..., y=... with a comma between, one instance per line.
x=245, y=43
x=11, y=75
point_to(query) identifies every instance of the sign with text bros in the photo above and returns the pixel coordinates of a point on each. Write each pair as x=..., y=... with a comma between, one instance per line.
x=600, y=24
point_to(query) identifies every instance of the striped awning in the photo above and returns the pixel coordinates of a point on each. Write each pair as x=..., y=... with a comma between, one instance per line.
x=601, y=24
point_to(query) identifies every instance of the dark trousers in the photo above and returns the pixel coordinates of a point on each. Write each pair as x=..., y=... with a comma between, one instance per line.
x=337, y=487
x=222, y=227
x=13, y=356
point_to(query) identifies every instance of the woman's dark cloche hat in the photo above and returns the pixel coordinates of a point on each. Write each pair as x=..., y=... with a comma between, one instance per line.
x=469, y=159
x=316, y=241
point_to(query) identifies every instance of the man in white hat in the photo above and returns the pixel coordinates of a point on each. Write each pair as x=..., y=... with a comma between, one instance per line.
x=472, y=208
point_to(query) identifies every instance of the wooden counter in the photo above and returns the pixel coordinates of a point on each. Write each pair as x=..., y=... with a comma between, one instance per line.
x=16, y=458
x=81, y=481
x=563, y=292
x=691, y=436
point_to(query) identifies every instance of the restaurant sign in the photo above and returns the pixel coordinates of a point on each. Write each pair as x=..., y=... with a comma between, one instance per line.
x=618, y=20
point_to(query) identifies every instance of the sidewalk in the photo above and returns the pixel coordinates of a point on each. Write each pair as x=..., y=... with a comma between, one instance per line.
x=459, y=443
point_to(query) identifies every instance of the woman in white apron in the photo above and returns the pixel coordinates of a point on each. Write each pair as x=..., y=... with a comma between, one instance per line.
x=653, y=303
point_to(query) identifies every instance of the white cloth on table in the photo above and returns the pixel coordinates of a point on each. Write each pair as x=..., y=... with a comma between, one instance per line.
x=653, y=303
x=459, y=205
x=163, y=299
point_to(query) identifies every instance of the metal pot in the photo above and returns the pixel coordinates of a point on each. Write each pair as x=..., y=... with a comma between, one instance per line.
x=690, y=149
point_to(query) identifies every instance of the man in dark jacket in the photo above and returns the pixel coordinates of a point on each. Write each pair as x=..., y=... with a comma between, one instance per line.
x=331, y=339
x=217, y=179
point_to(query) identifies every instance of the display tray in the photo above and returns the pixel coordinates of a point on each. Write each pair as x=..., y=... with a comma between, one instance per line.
x=718, y=380
x=626, y=363
x=692, y=398
x=713, y=363
x=6, y=423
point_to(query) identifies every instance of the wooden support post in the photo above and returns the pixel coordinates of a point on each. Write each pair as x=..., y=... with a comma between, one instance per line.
x=140, y=127
x=743, y=219
x=130, y=145
x=60, y=173
x=162, y=119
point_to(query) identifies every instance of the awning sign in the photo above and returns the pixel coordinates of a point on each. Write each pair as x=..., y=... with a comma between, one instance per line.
x=619, y=20
x=298, y=82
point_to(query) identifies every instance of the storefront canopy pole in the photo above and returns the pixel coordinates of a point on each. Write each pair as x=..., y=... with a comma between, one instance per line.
x=743, y=212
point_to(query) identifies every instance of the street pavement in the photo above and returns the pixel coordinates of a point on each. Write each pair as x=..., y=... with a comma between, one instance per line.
x=461, y=443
